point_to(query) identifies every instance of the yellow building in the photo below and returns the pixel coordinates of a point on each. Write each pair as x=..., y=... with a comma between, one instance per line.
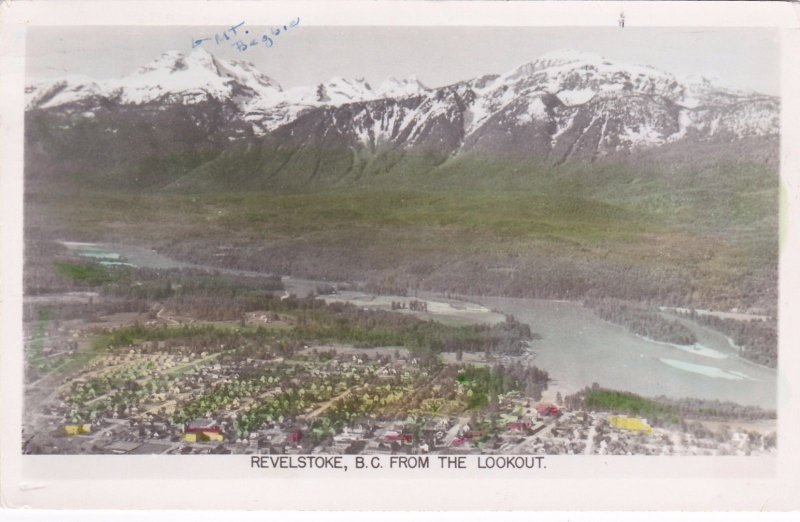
x=213, y=436
x=203, y=436
x=77, y=429
x=630, y=423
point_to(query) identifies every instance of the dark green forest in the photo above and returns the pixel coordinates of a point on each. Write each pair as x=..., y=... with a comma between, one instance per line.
x=663, y=410
x=756, y=339
x=642, y=321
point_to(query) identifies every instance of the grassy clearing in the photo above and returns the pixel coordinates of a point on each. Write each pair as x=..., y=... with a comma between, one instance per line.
x=664, y=410
x=609, y=400
x=80, y=359
x=89, y=274
x=135, y=334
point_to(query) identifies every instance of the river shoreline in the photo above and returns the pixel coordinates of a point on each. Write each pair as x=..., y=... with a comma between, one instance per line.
x=577, y=348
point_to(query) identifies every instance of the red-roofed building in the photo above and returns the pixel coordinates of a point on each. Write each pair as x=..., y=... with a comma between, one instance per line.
x=458, y=441
x=518, y=425
x=547, y=410
x=393, y=436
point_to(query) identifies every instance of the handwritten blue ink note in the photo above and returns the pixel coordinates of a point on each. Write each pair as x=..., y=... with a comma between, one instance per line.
x=245, y=41
x=225, y=36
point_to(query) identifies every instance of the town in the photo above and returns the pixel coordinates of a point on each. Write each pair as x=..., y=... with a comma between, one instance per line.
x=248, y=388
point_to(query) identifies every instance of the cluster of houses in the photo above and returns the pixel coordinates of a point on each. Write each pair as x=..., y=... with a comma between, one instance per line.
x=203, y=430
x=549, y=431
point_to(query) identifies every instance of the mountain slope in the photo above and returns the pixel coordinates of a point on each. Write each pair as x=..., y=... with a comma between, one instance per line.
x=194, y=122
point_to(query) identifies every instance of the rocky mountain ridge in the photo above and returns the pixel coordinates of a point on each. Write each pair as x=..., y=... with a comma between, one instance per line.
x=563, y=106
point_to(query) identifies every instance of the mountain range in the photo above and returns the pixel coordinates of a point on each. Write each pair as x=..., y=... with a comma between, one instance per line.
x=192, y=121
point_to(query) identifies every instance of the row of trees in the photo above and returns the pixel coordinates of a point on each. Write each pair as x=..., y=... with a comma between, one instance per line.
x=413, y=305
x=556, y=271
x=661, y=409
x=344, y=322
x=707, y=409
x=94, y=309
x=147, y=283
x=484, y=384
x=756, y=339
x=641, y=321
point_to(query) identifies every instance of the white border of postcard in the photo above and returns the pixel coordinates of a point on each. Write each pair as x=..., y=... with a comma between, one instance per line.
x=229, y=482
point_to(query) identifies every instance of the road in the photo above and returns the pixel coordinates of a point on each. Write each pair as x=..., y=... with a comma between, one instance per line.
x=590, y=439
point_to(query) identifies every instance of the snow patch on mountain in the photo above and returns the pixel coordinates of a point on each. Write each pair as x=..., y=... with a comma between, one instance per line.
x=583, y=100
x=643, y=135
x=344, y=90
x=563, y=124
x=266, y=90
x=579, y=72
x=187, y=78
x=68, y=89
x=402, y=88
x=575, y=96
x=534, y=110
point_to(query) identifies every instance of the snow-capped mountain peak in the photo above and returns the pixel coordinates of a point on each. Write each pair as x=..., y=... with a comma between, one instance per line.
x=247, y=74
x=335, y=91
x=564, y=56
x=577, y=76
x=172, y=62
x=560, y=96
x=48, y=93
x=401, y=88
x=344, y=90
x=191, y=78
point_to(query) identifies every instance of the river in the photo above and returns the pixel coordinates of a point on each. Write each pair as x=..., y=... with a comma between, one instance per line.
x=576, y=347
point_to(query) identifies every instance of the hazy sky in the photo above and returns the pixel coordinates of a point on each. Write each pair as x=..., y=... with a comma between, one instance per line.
x=746, y=58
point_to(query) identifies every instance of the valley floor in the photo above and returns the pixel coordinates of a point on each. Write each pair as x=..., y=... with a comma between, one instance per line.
x=153, y=324
x=140, y=396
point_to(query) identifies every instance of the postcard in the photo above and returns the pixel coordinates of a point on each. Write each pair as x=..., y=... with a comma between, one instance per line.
x=400, y=255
